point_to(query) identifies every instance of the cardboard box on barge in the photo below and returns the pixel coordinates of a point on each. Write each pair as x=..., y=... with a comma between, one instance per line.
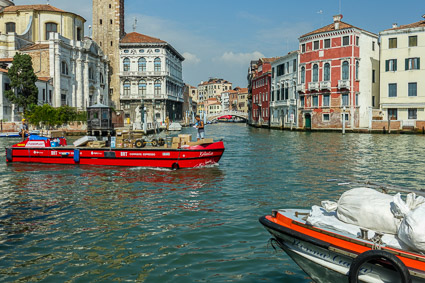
x=185, y=138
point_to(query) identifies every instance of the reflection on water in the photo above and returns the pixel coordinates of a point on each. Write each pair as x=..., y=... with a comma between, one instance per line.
x=82, y=223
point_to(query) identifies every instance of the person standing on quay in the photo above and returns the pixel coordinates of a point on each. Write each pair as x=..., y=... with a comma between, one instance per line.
x=23, y=129
x=200, y=126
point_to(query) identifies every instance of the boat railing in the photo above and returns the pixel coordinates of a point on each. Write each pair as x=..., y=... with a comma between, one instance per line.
x=386, y=188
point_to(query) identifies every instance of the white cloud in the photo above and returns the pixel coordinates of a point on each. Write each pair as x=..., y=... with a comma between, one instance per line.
x=239, y=58
x=191, y=58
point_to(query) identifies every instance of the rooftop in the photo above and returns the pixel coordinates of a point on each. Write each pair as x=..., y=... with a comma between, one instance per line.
x=414, y=25
x=135, y=37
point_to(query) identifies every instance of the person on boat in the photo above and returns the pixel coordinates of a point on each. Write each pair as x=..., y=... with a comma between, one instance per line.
x=200, y=126
x=23, y=129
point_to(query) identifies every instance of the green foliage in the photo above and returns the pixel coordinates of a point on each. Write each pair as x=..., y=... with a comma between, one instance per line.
x=47, y=115
x=23, y=90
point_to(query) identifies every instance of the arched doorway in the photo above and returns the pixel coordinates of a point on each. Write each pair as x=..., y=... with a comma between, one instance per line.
x=307, y=121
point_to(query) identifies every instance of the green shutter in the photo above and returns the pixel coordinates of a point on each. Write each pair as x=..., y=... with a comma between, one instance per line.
x=419, y=63
x=407, y=64
x=387, y=65
x=395, y=64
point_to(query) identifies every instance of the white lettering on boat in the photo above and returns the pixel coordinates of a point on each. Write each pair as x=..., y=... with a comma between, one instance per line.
x=35, y=144
x=148, y=154
x=206, y=153
x=124, y=154
x=38, y=152
x=96, y=153
x=166, y=154
x=53, y=152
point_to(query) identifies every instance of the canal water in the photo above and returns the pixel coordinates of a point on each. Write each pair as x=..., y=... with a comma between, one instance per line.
x=103, y=224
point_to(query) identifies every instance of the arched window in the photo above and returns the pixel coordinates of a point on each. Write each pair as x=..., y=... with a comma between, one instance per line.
x=91, y=74
x=327, y=72
x=345, y=71
x=142, y=87
x=302, y=75
x=157, y=87
x=127, y=86
x=64, y=68
x=315, y=73
x=126, y=64
x=101, y=78
x=10, y=27
x=157, y=65
x=50, y=27
x=357, y=70
x=142, y=65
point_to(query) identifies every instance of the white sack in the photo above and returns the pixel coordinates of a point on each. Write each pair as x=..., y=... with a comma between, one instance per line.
x=369, y=209
x=412, y=229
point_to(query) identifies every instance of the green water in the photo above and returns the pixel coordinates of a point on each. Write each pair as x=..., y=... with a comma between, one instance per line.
x=106, y=224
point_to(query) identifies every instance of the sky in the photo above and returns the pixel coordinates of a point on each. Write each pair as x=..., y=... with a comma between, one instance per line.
x=219, y=38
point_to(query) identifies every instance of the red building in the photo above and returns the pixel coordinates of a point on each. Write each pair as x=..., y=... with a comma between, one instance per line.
x=260, y=84
x=337, y=69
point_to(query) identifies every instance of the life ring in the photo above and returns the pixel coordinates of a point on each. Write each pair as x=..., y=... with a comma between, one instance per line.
x=140, y=144
x=353, y=274
x=175, y=166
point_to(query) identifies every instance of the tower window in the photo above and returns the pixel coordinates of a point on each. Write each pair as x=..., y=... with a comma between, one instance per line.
x=110, y=6
x=79, y=34
x=50, y=27
x=111, y=22
x=10, y=27
x=100, y=22
x=112, y=43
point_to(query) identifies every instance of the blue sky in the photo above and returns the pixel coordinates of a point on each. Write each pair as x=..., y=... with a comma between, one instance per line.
x=219, y=38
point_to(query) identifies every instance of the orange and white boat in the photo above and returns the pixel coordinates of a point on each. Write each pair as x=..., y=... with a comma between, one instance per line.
x=340, y=252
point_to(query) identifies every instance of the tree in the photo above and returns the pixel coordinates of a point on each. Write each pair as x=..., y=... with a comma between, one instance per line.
x=23, y=90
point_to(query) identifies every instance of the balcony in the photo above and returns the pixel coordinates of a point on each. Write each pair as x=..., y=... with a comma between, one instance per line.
x=344, y=84
x=313, y=86
x=301, y=88
x=143, y=74
x=325, y=85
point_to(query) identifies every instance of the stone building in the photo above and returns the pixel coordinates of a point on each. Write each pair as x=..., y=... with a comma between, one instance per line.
x=212, y=88
x=150, y=74
x=283, y=102
x=108, y=30
x=54, y=39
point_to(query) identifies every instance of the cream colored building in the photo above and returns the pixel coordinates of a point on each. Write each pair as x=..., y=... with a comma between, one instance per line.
x=54, y=38
x=213, y=88
x=243, y=100
x=402, y=74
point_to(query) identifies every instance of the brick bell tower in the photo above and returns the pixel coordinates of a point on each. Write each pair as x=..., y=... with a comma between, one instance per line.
x=108, y=29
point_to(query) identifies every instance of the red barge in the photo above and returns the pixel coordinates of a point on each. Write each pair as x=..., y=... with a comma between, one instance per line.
x=47, y=151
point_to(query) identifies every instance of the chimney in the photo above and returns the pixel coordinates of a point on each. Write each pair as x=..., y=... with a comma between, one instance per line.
x=395, y=25
x=423, y=16
x=337, y=20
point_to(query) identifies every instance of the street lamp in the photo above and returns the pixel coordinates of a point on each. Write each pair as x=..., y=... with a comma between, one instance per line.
x=343, y=119
x=174, y=113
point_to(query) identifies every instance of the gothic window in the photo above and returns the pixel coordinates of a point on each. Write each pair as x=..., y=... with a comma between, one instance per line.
x=315, y=73
x=10, y=27
x=64, y=68
x=127, y=88
x=157, y=65
x=50, y=27
x=357, y=70
x=101, y=78
x=327, y=72
x=345, y=71
x=142, y=65
x=302, y=75
x=157, y=87
x=142, y=87
x=126, y=64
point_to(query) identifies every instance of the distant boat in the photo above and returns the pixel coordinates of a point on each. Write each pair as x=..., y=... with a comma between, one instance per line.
x=16, y=134
x=175, y=127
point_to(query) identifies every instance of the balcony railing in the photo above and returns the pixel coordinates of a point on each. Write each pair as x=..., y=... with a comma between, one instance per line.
x=325, y=85
x=344, y=84
x=301, y=88
x=313, y=86
x=136, y=96
x=143, y=74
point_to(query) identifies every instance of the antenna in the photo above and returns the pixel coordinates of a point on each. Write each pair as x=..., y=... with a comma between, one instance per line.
x=135, y=24
x=320, y=12
x=340, y=9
